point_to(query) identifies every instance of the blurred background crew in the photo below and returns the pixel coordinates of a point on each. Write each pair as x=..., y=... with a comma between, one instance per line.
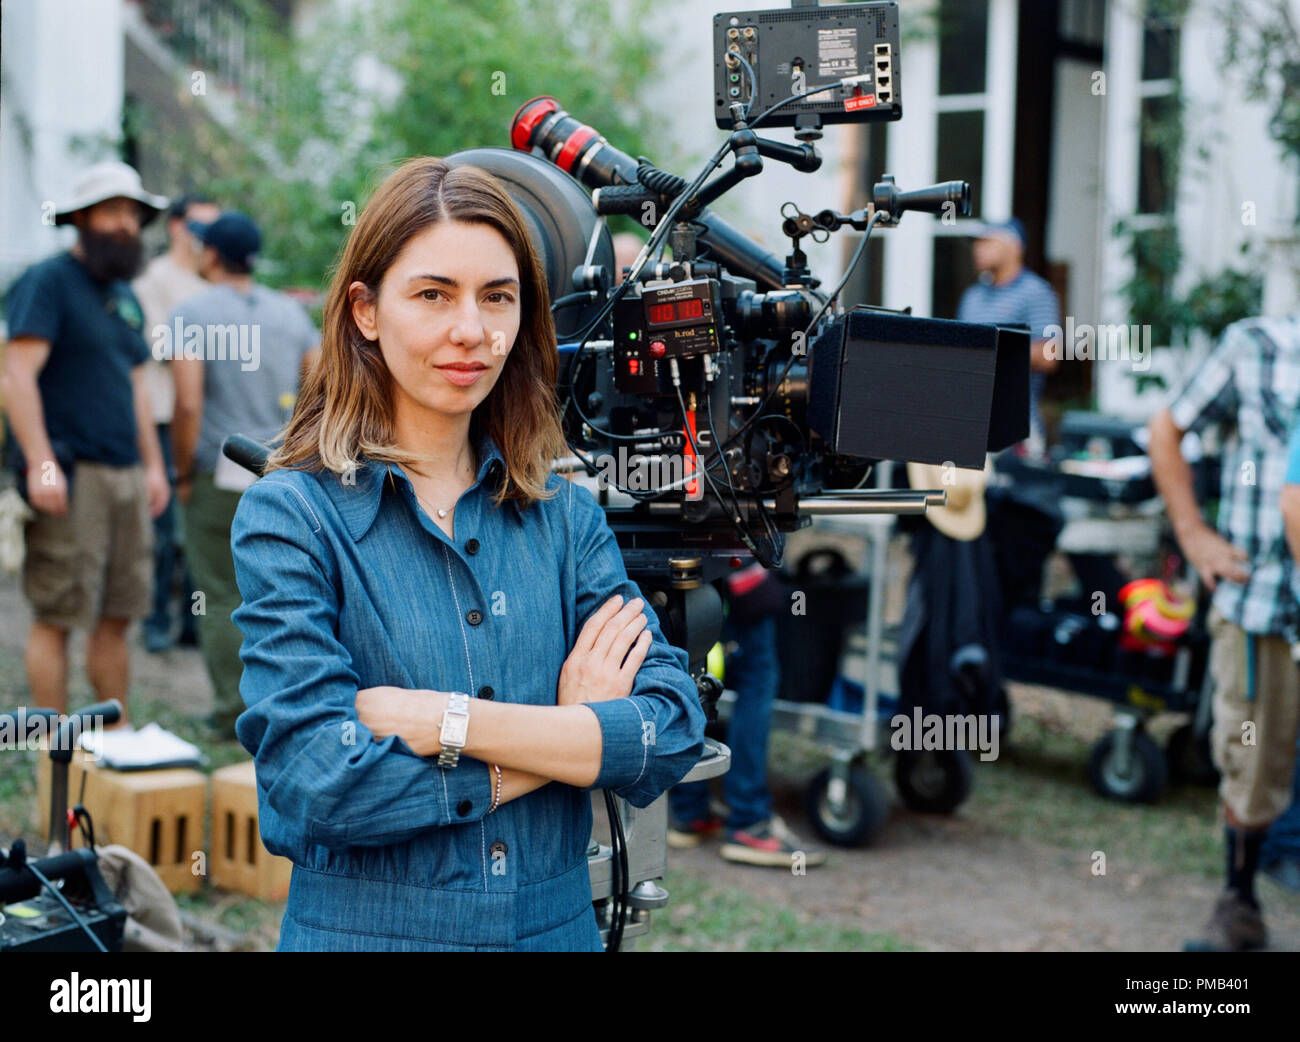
x=248, y=392
x=753, y=833
x=79, y=410
x=168, y=280
x=1250, y=385
x=1279, y=854
x=627, y=247
x=1008, y=292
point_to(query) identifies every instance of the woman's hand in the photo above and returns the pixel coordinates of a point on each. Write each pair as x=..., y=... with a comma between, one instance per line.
x=595, y=670
x=414, y=716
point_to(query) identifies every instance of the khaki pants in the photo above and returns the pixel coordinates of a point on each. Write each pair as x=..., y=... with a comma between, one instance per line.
x=96, y=561
x=207, y=519
x=1254, y=738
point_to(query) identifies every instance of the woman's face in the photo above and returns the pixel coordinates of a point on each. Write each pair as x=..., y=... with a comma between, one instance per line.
x=446, y=316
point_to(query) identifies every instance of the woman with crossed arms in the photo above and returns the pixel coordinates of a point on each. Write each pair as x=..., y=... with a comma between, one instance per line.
x=443, y=653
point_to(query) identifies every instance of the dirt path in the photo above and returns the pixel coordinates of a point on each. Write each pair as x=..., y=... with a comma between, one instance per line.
x=945, y=884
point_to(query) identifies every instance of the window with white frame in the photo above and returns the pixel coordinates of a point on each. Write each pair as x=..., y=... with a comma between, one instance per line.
x=962, y=108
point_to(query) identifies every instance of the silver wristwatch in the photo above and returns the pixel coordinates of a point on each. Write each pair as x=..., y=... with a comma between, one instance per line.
x=455, y=725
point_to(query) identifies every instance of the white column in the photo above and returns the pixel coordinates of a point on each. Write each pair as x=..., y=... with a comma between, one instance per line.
x=1000, y=115
x=63, y=76
x=1120, y=127
x=909, y=253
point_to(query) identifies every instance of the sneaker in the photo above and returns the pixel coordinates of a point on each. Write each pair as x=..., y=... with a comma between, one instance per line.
x=1234, y=926
x=685, y=835
x=770, y=844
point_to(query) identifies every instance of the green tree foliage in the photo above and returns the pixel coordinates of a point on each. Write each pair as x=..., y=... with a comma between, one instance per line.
x=339, y=106
x=1264, y=33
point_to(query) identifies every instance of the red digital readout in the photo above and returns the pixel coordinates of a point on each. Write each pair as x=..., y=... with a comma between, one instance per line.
x=679, y=311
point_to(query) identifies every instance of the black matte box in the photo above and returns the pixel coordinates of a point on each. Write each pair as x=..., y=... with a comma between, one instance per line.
x=889, y=386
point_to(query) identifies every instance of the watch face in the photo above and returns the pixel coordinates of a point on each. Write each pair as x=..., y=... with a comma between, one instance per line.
x=453, y=730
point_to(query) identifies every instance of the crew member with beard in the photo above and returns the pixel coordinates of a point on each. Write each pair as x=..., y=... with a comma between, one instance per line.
x=90, y=463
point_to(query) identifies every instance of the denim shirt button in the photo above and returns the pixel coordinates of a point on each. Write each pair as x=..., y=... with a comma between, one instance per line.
x=474, y=617
x=464, y=807
x=498, y=849
x=486, y=692
x=471, y=547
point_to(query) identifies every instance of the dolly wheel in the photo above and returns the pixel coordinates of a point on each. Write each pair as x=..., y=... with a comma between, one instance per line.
x=934, y=782
x=861, y=813
x=1137, y=778
x=1004, y=713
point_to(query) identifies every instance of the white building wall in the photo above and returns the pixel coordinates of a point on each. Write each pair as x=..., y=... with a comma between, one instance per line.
x=1245, y=166
x=1074, y=197
x=910, y=157
x=61, y=81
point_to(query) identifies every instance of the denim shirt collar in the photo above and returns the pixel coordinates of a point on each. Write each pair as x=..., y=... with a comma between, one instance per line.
x=358, y=495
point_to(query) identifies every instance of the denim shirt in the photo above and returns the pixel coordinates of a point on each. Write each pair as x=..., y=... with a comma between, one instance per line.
x=348, y=584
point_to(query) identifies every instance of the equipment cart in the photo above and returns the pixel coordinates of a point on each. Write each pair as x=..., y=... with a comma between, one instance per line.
x=1096, y=501
x=845, y=802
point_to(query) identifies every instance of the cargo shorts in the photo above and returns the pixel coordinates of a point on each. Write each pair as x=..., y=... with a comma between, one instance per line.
x=95, y=561
x=1256, y=717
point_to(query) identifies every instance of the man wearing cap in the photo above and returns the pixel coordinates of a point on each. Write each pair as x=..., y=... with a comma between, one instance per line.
x=1007, y=292
x=168, y=280
x=225, y=391
x=91, y=466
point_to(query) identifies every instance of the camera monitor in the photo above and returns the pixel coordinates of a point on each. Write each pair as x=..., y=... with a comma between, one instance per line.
x=762, y=57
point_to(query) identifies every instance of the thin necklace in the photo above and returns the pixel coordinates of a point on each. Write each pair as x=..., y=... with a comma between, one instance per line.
x=440, y=513
x=427, y=506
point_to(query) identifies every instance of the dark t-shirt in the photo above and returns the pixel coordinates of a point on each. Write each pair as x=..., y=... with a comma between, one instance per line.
x=95, y=335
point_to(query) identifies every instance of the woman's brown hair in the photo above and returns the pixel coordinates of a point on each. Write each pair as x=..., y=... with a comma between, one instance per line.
x=345, y=408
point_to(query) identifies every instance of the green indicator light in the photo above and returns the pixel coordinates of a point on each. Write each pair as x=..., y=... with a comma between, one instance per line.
x=631, y=336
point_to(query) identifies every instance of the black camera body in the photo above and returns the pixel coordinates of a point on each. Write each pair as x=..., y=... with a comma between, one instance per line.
x=719, y=391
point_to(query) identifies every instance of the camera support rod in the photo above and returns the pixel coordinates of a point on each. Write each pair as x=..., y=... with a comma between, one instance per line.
x=845, y=501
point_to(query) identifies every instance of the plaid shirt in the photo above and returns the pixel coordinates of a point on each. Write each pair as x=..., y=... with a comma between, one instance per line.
x=1251, y=385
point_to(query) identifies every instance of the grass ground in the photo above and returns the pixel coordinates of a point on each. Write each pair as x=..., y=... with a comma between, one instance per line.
x=707, y=912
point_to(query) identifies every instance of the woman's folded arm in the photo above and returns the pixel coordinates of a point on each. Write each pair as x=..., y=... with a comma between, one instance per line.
x=650, y=739
x=324, y=775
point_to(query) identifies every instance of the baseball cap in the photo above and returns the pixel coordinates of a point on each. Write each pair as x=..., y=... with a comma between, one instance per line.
x=233, y=235
x=1008, y=229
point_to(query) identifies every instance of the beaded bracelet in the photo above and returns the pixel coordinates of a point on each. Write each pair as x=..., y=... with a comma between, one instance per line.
x=496, y=800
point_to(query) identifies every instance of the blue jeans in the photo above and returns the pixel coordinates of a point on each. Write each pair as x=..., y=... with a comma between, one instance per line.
x=753, y=672
x=166, y=554
x=1283, y=839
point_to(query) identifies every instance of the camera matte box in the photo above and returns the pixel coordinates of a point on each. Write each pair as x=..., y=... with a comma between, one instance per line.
x=884, y=385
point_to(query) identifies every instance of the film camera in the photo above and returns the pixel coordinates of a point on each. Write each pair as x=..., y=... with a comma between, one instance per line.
x=727, y=373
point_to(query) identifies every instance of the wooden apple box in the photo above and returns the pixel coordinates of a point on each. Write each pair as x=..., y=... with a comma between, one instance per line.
x=156, y=813
x=239, y=861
